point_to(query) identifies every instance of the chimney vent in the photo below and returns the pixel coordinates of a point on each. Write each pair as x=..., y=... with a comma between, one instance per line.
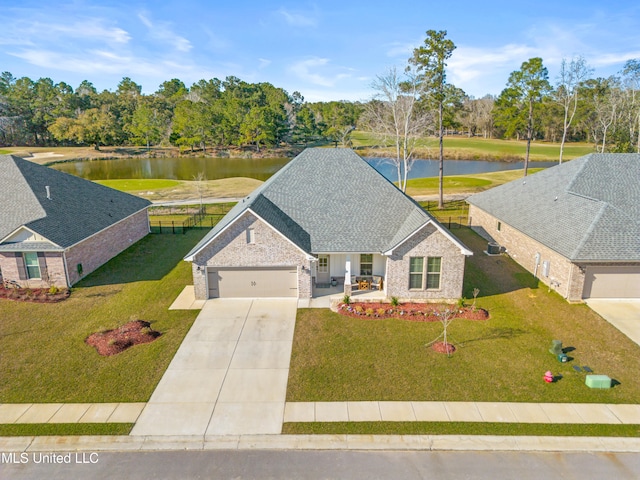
x=48, y=192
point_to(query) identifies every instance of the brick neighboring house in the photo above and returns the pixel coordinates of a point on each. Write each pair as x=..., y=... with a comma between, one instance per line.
x=575, y=226
x=56, y=228
x=328, y=217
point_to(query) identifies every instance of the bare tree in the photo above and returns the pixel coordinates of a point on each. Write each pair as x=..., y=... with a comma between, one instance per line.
x=446, y=315
x=199, y=182
x=631, y=78
x=393, y=114
x=571, y=75
x=607, y=106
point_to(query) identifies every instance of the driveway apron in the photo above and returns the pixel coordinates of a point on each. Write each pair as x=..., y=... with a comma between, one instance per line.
x=229, y=376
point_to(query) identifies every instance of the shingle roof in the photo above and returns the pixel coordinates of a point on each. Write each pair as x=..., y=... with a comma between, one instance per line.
x=77, y=208
x=330, y=200
x=587, y=209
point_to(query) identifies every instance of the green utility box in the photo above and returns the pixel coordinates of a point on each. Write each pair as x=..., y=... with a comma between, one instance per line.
x=598, y=381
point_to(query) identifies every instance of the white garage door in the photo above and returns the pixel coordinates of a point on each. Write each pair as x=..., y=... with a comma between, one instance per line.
x=612, y=282
x=253, y=282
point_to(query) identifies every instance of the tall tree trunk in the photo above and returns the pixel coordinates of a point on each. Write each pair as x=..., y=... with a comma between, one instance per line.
x=441, y=160
x=529, y=135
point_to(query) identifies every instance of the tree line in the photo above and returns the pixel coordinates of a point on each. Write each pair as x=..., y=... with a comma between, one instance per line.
x=231, y=112
x=210, y=113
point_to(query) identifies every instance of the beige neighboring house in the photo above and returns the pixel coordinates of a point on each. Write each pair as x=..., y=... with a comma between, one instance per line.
x=328, y=217
x=56, y=228
x=575, y=226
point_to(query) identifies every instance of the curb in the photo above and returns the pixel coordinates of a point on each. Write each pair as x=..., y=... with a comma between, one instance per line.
x=322, y=442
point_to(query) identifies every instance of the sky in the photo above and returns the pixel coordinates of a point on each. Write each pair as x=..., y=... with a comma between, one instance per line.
x=329, y=50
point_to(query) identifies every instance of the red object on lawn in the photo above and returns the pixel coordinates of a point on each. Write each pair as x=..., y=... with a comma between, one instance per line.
x=548, y=376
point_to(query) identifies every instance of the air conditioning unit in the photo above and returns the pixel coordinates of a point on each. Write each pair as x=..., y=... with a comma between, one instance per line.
x=493, y=248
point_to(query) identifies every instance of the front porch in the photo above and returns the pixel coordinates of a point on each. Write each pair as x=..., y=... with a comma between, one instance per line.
x=349, y=274
x=325, y=297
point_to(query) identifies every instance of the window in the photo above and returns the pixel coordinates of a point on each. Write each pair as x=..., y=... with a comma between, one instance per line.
x=433, y=272
x=499, y=226
x=251, y=235
x=32, y=265
x=323, y=264
x=416, y=269
x=366, y=264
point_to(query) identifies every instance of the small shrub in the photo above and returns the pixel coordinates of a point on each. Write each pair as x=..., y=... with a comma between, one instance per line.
x=359, y=309
x=461, y=302
x=381, y=311
x=369, y=312
x=53, y=290
x=394, y=301
x=346, y=299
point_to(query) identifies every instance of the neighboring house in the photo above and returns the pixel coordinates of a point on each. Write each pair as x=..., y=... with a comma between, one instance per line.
x=575, y=226
x=56, y=228
x=328, y=215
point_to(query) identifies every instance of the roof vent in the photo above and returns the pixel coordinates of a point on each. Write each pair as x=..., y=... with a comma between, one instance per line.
x=48, y=189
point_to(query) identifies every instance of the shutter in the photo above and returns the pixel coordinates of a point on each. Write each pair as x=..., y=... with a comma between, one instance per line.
x=42, y=262
x=22, y=272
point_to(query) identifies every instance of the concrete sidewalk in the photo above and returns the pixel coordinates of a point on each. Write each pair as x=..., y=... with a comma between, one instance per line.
x=16, y=413
x=499, y=412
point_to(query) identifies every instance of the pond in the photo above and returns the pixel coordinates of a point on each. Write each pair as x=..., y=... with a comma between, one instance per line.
x=187, y=168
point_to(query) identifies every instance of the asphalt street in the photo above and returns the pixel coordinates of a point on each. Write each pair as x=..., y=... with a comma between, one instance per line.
x=262, y=464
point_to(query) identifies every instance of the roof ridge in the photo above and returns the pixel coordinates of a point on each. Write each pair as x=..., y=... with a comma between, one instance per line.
x=587, y=234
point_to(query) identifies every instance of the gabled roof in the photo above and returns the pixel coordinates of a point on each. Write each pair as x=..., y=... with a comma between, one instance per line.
x=587, y=209
x=76, y=209
x=330, y=200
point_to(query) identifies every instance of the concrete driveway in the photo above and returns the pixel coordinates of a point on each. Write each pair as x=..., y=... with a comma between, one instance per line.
x=624, y=314
x=229, y=376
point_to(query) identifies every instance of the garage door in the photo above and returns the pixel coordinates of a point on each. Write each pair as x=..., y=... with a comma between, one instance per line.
x=253, y=282
x=612, y=282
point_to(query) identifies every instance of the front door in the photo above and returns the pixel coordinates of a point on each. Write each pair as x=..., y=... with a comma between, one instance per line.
x=323, y=269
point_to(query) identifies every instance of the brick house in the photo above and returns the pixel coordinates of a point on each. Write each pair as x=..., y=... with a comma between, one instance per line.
x=328, y=217
x=56, y=228
x=575, y=226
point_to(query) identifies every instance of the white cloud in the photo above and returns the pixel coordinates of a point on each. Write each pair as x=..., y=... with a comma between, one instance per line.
x=161, y=31
x=404, y=50
x=303, y=71
x=297, y=19
x=264, y=63
x=608, y=59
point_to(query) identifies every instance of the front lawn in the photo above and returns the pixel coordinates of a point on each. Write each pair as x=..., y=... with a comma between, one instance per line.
x=338, y=358
x=43, y=356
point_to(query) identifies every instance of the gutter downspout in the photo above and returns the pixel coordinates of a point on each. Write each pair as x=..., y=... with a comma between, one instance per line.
x=66, y=268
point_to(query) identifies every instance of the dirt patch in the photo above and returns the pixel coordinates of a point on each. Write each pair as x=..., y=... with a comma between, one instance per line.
x=417, y=312
x=35, y=295
x=118, y=340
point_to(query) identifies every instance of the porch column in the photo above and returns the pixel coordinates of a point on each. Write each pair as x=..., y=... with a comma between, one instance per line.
x=347, y=276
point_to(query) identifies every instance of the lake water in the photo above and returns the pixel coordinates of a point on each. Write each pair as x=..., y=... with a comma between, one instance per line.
x=261, y=169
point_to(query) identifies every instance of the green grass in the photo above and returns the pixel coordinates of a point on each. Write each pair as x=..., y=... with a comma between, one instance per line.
x=44, y=357
x=140, y=184
x=4, y=152
x=338, y=358
x=476, y=148
x=41, y=429
x=458, y=184
x=461, y=428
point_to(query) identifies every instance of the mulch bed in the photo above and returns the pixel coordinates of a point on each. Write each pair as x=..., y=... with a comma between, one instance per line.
x=442, y=347
x=118, y=340
x=35, y=295
x=416, y=312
